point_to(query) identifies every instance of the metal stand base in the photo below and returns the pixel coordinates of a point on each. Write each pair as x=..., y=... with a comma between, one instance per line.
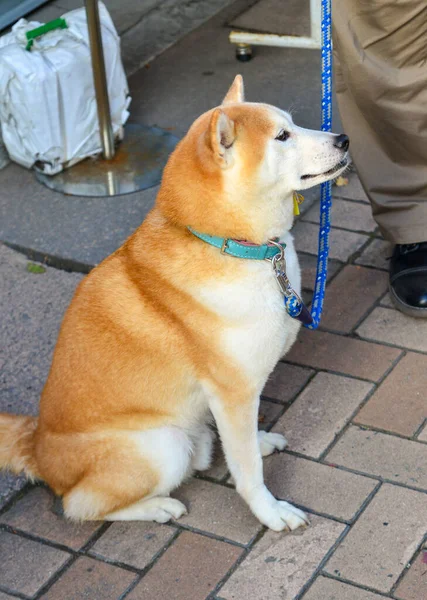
x=137, y=165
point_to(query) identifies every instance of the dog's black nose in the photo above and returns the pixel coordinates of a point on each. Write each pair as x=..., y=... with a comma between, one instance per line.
x=342, y=142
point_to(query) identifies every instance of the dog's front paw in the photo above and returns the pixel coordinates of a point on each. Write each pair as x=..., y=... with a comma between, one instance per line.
x=275, y=514
x=269, y=442
x=285, y=517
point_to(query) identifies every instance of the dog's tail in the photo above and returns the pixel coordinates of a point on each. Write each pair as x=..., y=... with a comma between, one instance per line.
x=17, y=444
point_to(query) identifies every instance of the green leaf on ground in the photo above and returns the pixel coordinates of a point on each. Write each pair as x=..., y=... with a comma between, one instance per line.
x=34, y=268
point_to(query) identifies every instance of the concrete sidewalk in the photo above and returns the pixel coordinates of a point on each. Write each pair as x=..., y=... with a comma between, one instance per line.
x=350, y=398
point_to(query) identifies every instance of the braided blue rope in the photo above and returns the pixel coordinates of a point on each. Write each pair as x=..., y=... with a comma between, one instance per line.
x=326, y=188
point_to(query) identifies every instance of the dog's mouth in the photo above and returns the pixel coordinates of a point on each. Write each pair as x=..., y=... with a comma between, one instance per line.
x=341, y=165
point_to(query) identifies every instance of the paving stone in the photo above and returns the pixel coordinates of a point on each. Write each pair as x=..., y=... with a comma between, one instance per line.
x=346, y=214
x=286, y=381
x=268, y=413
x=343, y=244
x=308, y=264
x=386, y=301
x=352, y=191
x=135, y=544
x=217, y=509
x=6, y=596
x=387, y=456
x=189, y=570
x=329, y=589
x=318, y=487
x=306, y=297
x=320, y=412
x=422, y=436
x=281, y=564
x=322, y=350
x=33, y=514
x=89, y=579
x=393, y=327
x=383, y=540
x=26, y=566
x=350, y=295
x=376, y=254
x=414, y=583
x=400, y=403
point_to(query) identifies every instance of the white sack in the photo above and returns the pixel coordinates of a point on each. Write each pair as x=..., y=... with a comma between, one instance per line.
x=48, y=110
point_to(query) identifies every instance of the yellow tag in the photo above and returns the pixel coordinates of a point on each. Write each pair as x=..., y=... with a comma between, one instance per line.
x=298, y=199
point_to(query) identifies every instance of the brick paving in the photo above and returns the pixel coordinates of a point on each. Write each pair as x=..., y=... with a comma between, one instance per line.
x=351, y=401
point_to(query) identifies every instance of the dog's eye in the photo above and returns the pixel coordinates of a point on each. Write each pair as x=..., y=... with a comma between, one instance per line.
x=283, y=136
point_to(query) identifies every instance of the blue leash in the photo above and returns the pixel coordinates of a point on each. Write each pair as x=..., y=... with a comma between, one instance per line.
x=326, y=188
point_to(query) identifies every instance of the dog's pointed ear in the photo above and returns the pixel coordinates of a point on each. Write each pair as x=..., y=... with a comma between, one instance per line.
x=221, y=136
x=236, y=93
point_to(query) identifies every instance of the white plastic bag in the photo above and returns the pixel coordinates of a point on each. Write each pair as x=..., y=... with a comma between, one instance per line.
x=48, y=110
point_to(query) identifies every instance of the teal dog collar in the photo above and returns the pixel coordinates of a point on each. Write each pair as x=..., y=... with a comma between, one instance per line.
x=273, y=251
x=241, y=249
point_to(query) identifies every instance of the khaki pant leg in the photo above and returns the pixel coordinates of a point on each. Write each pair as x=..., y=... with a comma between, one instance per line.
x=380, y=53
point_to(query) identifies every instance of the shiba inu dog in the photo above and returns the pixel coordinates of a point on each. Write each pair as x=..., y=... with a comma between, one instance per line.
x=170, y=331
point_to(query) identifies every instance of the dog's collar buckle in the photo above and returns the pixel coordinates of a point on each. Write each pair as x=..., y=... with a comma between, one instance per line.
x=224, y=246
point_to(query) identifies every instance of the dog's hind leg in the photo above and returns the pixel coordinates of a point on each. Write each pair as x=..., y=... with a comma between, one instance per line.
x=132, y=481
x=160, y=508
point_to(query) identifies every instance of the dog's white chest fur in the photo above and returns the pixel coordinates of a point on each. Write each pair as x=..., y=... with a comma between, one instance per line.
x=258, y=331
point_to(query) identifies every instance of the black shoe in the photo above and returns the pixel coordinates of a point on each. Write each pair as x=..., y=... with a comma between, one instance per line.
x=408, y=279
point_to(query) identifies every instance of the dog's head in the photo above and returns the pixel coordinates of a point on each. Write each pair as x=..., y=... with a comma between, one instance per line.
x=235, y=171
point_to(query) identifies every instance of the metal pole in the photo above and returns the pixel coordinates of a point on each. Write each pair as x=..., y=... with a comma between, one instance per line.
x=100, y=79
